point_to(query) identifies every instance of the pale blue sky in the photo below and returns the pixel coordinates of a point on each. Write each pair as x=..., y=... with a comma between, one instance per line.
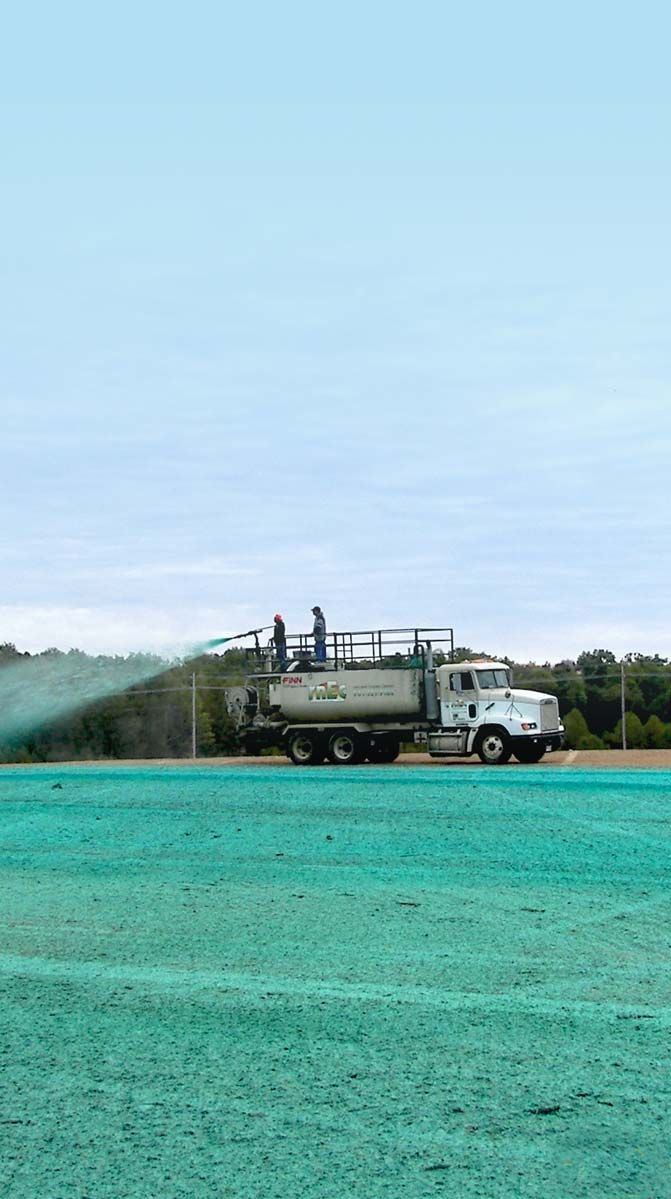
x=368, y=309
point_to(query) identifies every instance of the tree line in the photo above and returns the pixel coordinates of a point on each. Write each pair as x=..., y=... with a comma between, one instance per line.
x=589, y=691
x=155, y=718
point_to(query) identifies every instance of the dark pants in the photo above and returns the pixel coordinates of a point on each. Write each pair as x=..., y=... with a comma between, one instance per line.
x=281, y=652
x=320, y=651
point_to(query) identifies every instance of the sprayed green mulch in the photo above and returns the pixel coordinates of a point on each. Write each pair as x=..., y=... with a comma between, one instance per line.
x=335, y=983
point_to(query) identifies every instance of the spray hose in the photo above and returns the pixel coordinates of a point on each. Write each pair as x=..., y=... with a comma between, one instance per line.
x=236, y=637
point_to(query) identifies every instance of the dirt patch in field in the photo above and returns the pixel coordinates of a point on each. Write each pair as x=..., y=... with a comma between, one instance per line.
x=609, y=759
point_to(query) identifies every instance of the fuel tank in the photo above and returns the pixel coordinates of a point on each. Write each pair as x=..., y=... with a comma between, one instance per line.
x=334, y=696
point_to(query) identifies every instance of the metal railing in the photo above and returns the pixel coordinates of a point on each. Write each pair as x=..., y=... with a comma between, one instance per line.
x=360, y=646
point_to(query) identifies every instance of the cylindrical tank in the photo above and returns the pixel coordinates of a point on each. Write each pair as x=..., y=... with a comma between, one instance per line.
x=334, y=696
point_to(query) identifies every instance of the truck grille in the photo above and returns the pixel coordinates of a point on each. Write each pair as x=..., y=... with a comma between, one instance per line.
x=549, y=715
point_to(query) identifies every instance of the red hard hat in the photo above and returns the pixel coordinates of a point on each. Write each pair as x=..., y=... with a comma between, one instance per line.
x=277, y=616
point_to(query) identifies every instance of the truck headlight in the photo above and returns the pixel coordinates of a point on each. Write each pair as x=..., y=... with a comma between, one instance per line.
x=529, y=725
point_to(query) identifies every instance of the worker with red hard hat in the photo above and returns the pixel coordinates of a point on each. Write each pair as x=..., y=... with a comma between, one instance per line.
x=280, y=640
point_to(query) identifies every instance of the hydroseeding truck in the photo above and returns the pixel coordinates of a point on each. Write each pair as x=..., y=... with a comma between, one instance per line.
x=377, y=689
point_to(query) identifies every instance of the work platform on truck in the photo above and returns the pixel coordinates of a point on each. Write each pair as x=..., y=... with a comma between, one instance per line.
x=354, y=650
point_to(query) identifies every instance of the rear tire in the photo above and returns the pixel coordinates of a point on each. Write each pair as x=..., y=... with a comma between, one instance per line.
x=304, y=750
x=345, y=749
x=494, y=748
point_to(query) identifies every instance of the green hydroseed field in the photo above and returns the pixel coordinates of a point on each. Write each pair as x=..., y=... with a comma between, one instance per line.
x=335, y=983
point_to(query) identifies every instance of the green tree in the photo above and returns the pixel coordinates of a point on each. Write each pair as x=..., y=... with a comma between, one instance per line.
x=649, y=685
x=575, y=727
x=600, y=670
x=578, y=735
x=464, y=653
x=535, y=678
x=9, y=652
x=657, y=733
x=591, y=742
x=570, y=686
x=635, y=735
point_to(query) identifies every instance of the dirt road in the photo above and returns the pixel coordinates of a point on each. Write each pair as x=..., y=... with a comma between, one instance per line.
x=614, y=759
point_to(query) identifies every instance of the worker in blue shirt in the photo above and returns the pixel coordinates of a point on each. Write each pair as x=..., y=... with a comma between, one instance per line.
x=319, y=634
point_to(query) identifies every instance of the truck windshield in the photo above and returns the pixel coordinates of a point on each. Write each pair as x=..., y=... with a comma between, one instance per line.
x=493, y=678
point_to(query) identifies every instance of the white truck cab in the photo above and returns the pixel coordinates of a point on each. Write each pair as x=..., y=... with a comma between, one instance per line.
x=481, y=710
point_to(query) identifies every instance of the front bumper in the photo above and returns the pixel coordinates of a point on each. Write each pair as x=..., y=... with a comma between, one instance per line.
x=552, y=741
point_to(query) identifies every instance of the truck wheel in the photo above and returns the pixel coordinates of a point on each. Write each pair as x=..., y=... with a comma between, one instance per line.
x=345, y=749
x=384, y=750
x=494, y=748
x=304, y=750
x=529, y=753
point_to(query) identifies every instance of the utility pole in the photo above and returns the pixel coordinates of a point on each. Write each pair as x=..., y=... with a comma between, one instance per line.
x=194, y=729
x=623, y=705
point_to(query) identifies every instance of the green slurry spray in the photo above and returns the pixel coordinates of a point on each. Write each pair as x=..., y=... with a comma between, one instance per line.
x=34, y=691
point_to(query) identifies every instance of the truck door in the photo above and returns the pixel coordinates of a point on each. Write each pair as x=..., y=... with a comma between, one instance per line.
x=462, y=698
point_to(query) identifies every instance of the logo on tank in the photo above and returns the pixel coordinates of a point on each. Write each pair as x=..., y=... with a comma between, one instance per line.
x=326, y=691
